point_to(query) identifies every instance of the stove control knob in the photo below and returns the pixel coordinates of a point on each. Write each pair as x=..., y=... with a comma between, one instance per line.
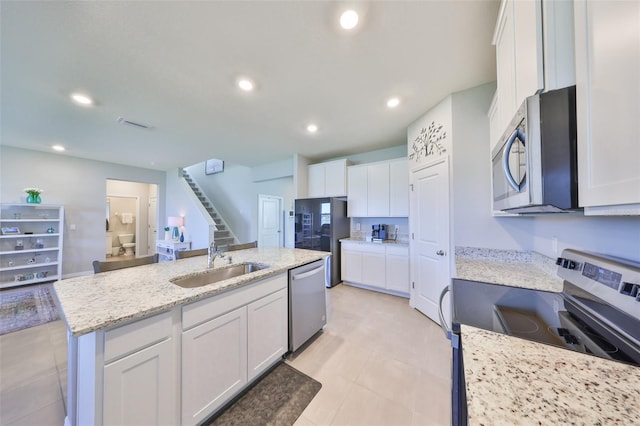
x=566, y=263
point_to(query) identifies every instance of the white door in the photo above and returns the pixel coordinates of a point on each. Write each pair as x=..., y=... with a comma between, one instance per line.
x=269, y=221
x=152, y=235
x=429, y=244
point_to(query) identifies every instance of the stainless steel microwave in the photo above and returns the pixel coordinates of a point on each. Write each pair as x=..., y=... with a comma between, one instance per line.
x=534, y=164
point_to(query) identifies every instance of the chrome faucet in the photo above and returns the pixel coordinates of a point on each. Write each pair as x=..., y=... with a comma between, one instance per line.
x=211, y=255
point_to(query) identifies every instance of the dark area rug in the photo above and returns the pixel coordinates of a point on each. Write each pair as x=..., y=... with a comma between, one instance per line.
x=277, y=399
x=24, y=308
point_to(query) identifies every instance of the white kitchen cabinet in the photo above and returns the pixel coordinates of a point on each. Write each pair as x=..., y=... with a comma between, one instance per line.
x=140, y=388
x=381, y=267
x=228, y=341
x=357, y=191
x=495, y=131
x=351, y=263
x=214, y=364
x=327, y=179
x=378, y=189
x=607, y=47
x=30, y=243
x=534, y=52
x=268, y=330
x=397, y=269
x=399, y=188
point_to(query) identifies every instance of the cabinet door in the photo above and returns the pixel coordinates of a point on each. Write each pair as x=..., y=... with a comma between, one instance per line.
x=608, y=102
x=214, y=364
x=267, y=332
x=495, y=132
x=315, y=180
x=506, y=65
x=398, y=269
x=357, y=191
x=399, y=188
x=374, y=267
x=335, y=178
x=527, y=21
x=378, y=190
x=140, y=389
x=351, y=264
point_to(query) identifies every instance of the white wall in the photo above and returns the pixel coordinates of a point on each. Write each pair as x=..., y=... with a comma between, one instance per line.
x=473, y=224
x=80, y=185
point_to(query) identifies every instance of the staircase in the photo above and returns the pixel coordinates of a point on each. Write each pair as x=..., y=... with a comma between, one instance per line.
x=223, y=235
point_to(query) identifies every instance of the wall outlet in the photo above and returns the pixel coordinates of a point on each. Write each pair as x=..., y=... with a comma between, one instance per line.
x=357, y=226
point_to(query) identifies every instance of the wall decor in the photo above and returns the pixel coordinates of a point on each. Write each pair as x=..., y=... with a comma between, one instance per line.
x=213, y=166
x=429, y=142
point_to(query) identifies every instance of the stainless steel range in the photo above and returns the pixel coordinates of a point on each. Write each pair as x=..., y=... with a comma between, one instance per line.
x=597, y=313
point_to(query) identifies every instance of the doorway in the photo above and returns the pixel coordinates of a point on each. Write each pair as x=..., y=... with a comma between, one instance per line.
x=140, y=218
x=270, y=221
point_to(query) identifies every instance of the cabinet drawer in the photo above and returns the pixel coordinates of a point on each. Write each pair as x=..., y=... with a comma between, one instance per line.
x=130, y=338
x=204, y=310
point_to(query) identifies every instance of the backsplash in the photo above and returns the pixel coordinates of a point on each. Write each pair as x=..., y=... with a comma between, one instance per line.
x=365, y=224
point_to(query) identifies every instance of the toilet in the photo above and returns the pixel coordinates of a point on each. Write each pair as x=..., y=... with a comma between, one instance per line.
x=126, y=240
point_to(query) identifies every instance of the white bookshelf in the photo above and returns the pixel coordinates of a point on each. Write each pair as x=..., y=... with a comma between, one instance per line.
x=39, y=230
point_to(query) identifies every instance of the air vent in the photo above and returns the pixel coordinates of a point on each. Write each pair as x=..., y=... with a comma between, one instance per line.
x=138, y=125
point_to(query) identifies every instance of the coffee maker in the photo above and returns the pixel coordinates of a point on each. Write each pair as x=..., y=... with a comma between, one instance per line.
x=379, y=232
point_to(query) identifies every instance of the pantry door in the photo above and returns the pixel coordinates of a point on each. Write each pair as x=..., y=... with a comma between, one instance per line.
x=429, y=242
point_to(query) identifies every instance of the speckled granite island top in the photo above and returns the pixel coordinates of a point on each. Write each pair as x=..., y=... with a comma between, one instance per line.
x=507, y=267
x=94, y=302
x=511, y=381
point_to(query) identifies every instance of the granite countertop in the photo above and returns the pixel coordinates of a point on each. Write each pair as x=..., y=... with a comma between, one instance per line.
x=508, y=267
x=94, y=302
x=517, y=382
x=400, y=243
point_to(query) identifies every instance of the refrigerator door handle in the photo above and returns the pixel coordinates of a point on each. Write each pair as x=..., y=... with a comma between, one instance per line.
x=327, y=271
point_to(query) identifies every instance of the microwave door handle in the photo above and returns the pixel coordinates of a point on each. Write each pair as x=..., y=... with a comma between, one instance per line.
x=517, y=134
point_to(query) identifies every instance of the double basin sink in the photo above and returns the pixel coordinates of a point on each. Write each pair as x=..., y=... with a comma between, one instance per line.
x=216, y=275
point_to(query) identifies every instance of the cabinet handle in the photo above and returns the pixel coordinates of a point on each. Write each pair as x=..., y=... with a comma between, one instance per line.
x=440, y=253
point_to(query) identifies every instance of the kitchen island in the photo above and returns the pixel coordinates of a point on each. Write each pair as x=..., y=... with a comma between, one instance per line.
x=143, y=350
x=515, y=381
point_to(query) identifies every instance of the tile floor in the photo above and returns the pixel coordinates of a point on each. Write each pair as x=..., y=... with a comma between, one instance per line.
x=379, y=361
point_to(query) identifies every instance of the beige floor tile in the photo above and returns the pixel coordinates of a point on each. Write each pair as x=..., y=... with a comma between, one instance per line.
x=324, y=406
x=29, y=396
x=49, y=415
x=303, y=421
x=367, y=408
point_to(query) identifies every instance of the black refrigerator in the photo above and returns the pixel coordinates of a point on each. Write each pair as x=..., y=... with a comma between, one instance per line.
x=320, y=223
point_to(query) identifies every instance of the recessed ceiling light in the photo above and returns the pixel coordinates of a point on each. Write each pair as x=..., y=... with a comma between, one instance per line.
x=312, y=128
x=349, y=19
x=246, y=84
x=393, y=102
x=81, y=99
x=59, y=148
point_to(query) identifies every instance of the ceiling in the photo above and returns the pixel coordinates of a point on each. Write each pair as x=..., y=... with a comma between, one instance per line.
x=173, y=65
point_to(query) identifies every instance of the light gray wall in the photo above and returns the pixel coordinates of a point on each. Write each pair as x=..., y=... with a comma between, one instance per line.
x=475, y=226
x=80, y=185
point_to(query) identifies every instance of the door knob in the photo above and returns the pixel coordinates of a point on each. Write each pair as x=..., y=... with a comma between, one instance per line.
x=440, y=253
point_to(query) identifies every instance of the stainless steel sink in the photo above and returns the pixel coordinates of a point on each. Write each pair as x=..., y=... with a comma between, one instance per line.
x=216, y=275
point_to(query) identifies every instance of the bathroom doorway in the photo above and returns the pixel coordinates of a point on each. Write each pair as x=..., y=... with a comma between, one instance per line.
x=131, y=219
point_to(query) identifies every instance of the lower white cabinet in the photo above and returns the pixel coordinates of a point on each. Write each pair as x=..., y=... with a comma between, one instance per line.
x=180, y=366
x=382, y=267
x=140, y=389
x=268, y=332
x=214, y=364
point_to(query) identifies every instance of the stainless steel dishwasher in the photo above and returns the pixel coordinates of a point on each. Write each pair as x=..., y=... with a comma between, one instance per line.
x=307, y=302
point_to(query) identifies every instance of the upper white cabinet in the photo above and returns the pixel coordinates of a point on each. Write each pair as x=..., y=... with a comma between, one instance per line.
x=327, y=179
x=534, y=52
x=378, y=189
x=608, y=105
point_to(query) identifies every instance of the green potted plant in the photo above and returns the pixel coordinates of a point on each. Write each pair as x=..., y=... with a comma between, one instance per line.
x=33, y=195
x=167, y=233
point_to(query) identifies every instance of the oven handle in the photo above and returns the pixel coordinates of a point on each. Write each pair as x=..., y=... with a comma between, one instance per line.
x=443, y=323
x=517, y=134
